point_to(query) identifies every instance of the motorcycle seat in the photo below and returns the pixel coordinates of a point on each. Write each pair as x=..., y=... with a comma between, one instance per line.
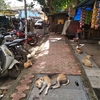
x=14, y=42
x=31, y=33
x=7, y=43
x=19, y=40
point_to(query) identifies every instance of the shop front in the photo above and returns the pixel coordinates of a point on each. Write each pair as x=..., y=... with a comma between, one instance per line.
x=88, y=14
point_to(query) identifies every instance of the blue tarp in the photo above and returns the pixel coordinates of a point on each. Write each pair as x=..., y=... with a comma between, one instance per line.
x=84, y=4
x=78, y=13
x=29, y=14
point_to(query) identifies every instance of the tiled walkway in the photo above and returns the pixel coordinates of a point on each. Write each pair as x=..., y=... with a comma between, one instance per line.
x=54, y=57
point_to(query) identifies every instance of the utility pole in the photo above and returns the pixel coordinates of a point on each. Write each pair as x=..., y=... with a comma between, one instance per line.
x=25, y=19
x=25, y=10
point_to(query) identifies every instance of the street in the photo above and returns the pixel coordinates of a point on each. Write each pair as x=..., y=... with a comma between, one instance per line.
x=50, y=58
x=50, y=50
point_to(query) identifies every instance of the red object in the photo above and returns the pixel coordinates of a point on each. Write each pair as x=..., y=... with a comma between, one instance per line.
x=20, y=34
x=72, y=29
x=79, y=30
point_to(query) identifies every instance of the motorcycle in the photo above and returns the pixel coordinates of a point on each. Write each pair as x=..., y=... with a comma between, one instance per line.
x=17, y=48
x=31, y=37
x=8, y=65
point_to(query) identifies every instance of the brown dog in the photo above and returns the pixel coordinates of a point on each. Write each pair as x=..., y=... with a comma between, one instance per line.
x=79, y=50
x=27, y=64
x=46, y=82
x=87, y=62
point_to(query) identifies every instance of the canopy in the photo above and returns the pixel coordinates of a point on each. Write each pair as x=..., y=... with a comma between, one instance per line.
x=8, y=12
x=29, y=14
x=85, y=3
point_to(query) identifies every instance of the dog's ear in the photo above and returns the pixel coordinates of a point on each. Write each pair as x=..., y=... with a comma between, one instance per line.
x=41, y=79
x=37, y=79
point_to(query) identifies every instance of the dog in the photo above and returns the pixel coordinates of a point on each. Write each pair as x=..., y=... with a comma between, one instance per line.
x=2, y=93
x=46, y=82
x=78, y=49
x=86, y=61
x=76, y=40
x=27, y=64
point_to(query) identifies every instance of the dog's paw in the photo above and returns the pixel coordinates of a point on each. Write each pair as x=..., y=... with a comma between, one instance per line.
x=46, y=93
x=40, y=93
x=51, y=87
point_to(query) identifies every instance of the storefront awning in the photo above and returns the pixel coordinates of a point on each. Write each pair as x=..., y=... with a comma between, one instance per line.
x=8, y=12
x=85, y=3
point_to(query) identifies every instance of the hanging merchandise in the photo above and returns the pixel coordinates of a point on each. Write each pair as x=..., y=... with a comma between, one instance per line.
x=97, y=24
x=82, y=18
x=88, y=16
x=94, y=14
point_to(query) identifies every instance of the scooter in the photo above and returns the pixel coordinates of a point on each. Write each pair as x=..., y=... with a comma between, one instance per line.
x=8, y=65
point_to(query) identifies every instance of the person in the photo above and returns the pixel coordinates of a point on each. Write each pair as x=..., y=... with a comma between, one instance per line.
x=77, y=34
x=31, y=25
x=20, y=25
x=66, y=24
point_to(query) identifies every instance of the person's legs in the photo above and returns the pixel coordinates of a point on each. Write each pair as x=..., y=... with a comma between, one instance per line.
x=76, y=36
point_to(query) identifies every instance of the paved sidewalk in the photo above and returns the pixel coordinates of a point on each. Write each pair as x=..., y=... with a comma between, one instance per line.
x=55, y=56
x=90, y=47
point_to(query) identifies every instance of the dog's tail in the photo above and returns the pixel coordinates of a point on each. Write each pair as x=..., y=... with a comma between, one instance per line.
x=67, y=82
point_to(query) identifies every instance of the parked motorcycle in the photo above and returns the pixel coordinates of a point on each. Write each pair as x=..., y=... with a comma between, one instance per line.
x=17, y=48
x=31, y=37
x=8, y=65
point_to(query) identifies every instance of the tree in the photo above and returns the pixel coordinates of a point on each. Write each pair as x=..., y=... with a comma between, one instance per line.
x=3, y=5
x=30, y=6
x=56, y=5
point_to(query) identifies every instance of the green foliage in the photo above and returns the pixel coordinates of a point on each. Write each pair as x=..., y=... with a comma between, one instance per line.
x=80, y=0
x=3, y=5
x=30, y=6
x=59, y=5
x=42, y=2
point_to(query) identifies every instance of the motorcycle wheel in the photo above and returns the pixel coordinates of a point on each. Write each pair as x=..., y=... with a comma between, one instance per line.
x=33, y=42
x=15, y=71
x=21, y=56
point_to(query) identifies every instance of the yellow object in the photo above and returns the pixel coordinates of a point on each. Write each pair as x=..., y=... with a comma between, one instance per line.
x=94, y=14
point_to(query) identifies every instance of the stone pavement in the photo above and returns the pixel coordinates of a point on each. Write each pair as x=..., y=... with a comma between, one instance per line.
x=90, y=47
x=55, y=56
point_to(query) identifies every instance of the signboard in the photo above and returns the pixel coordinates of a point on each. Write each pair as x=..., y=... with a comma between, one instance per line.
x=8, y=12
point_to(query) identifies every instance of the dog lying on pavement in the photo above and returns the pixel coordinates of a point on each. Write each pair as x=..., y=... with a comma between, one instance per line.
x=86, y=61
x=27, y=64
x=79, y=50
x=46, y=82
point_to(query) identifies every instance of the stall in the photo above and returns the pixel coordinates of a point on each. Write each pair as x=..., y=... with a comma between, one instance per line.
x=88, y=14
x=5, y=18
x=57, y=21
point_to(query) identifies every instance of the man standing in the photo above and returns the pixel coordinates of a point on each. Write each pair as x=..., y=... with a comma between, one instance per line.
x=20, y=25
x=67, y=22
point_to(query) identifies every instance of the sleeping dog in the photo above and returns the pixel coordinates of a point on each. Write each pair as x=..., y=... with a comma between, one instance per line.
x=46, y=82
